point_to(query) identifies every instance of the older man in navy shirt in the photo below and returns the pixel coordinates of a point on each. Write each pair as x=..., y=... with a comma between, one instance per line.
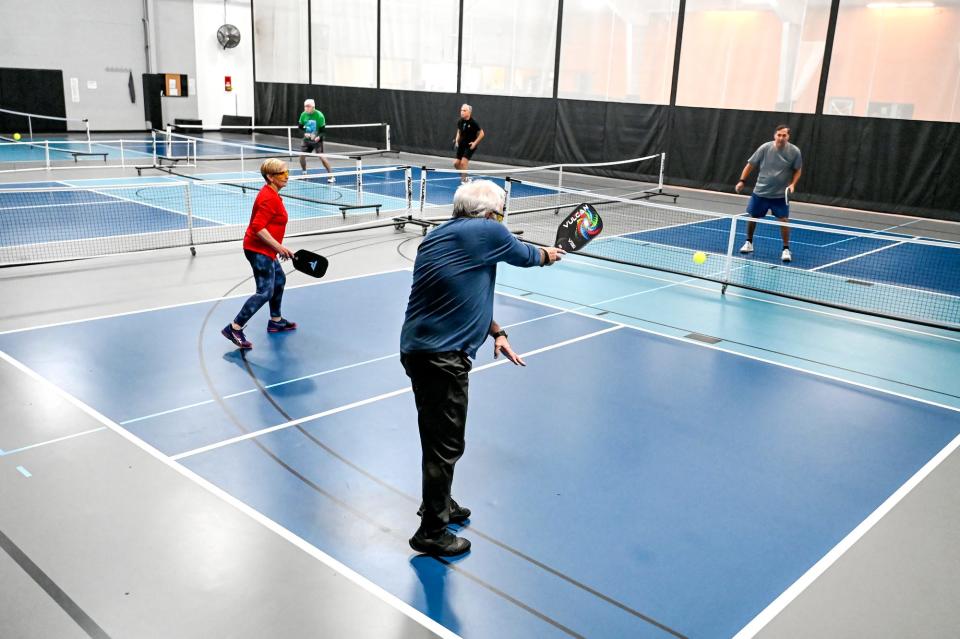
x=449, y=315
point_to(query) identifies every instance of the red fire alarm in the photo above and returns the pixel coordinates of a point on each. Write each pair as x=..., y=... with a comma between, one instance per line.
x=227, y=84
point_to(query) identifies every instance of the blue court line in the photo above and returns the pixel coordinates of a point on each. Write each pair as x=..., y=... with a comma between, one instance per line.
x=7, y=453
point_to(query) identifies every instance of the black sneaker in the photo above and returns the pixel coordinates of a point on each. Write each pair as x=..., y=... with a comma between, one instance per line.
x=446, y=545
x=458, y=514
x=281, y=326
x=237, y=337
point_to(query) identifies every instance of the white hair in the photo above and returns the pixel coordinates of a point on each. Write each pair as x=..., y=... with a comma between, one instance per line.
x=309, y=102
x=477, y=198
x=467, y=107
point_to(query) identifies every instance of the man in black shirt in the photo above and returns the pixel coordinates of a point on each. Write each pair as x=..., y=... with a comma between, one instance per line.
x=468, y=137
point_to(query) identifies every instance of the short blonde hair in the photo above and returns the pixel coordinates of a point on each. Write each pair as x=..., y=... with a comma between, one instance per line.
x=272, y=166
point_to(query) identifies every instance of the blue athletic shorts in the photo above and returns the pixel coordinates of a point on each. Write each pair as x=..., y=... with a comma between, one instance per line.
x=759, y=205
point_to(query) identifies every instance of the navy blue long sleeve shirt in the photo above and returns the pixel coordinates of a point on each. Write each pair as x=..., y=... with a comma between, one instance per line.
x=451, y=300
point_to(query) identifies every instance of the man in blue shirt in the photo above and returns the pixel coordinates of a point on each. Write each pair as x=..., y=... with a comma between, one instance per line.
x=449, y=315
x=780, y=165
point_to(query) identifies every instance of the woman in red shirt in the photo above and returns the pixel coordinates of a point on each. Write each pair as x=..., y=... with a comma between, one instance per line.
x=262, y=243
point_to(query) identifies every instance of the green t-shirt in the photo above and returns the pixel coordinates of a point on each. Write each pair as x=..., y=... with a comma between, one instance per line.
x=307, y=120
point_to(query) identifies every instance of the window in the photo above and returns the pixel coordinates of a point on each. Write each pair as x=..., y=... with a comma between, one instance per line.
x=344, y=47
x=618, y=50
x=281, y=41
x=509, y=48
x=763, y=55
x=896, y=60
x=419, y=44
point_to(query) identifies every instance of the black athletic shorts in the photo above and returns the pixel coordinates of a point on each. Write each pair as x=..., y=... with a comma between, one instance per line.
x=464, y=151
x=311, y=146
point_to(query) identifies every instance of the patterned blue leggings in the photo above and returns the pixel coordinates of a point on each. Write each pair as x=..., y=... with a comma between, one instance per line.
x=270, y=280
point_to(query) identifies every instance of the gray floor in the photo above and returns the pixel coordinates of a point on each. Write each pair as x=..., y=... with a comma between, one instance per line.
x=122, y=543
x=126, y=546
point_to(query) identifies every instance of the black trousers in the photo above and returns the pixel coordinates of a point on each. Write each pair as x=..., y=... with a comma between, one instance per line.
x=440, y=386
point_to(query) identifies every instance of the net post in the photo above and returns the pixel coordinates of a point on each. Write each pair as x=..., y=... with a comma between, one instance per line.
x=290, y=140
x=408, y=182
x=153, y=134
x=189, y=208
x=560, y=177
x=123, y=163
x=243, y=169
x=728, y=262
x=86, y=124
x=46, y=151
x=663, y=161
x=388, y=137
x=423, y=188
x=360, y=181
x=507, y=183
x=30, y=128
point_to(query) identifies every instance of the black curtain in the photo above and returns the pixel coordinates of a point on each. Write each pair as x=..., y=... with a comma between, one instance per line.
x=152, y=104
x=900, y=166
x=32, y=91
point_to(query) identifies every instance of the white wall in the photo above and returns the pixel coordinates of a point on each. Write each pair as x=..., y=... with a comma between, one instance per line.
x=82, y=38
x=173, y=51
x=213, y=62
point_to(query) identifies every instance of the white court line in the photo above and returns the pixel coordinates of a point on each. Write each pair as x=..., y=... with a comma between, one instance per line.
x=338, y=567
x=853, y=316
x=144, y=203
x=203, y=301
x=707, y=229
x=370, y=400
x=256, y=389
x=889, y=228
x=746, y=355
x=33, y=207
x=5, y=453
x=814, y=572
x=730, y=198
x=785, y=598
x=300, y=379
x=859, y=255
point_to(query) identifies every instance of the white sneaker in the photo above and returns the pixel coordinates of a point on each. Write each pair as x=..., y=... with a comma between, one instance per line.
x=747, y=247
x=786, y=256
x=331, y=180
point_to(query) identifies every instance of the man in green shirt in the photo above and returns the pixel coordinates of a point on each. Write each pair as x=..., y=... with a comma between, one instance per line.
x=313, y=123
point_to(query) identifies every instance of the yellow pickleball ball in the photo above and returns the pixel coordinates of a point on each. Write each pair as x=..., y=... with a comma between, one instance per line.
x=16, y=136
x=699, y=257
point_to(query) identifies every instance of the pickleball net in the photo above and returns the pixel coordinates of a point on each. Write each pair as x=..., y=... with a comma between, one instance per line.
x=882, y=273
x=62, y=223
